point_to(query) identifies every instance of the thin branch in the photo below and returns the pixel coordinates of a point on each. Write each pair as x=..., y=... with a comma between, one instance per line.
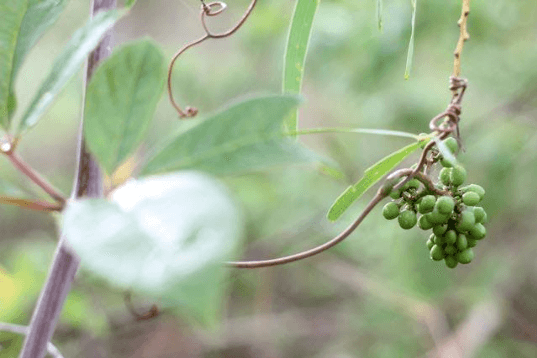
x=88, y=182
x=34, y=176
x=23, y=330
x=37, y=205
x=464, y=36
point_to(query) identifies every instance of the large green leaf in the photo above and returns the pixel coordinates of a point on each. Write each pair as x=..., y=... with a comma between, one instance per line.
x=295, y=54
x=23, y=22
x=84, y=40
x=120, y=101
x=165, y=237
x=246, y=136
x=371, y=176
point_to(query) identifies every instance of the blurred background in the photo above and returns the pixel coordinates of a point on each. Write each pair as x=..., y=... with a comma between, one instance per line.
x=375, y=295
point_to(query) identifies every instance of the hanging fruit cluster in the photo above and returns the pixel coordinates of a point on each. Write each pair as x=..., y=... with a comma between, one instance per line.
x=450, y=211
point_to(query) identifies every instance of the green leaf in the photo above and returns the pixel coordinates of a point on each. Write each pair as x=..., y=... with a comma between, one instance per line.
x=129, y=3
x=165, y=237
x=371, y=176
x=410, y=53
x=386, y=132
x=295, y=54
x=379, y=14
x=23, y=22
x=67, y=64
x=246, y=136
x=120, y=101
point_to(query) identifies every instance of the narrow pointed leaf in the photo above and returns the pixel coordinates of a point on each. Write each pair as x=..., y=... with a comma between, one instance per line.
x=165, y=237
x=371, y=176
x=246, y=136
x=23, y=22
x=67, y=64
x=295, y=54
x=379, y=14
x=120, y=101
x=410, y=53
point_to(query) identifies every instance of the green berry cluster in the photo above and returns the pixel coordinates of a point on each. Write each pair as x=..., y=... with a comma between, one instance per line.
x=454, y=218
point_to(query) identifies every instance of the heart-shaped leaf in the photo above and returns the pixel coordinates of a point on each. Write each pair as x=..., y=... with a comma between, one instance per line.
x=162, y=236
x=120, y=101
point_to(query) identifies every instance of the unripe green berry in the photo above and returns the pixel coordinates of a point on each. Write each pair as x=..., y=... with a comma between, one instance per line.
x=462, y=243
x=439, y=240
x=450, y=237
x=450, y=250
x=426, y=204
x=480, y=214
x=445, y=176
x=475, y=188
x=471, y=242
x=446, y=163
x=471, y=198
x=458, y=175
x=390, y=211
x=451, y=144
x=423, y=223
x=466, y=221
x=466, y=256
x=451, y=261
x=437, y=253
x=444, y=205
x=477, y=232
x=395, y=194
x=407, y=219
x=414, y=183
x=439, y=230
x=436, y=218
x=430, y=244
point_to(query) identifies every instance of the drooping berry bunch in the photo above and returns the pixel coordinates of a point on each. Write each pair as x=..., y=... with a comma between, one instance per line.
x=450, y=210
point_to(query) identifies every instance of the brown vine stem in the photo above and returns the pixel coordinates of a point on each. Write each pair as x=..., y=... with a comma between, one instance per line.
x=464, y=36
x=88, y=182
x=34, y=176
x=211, y=9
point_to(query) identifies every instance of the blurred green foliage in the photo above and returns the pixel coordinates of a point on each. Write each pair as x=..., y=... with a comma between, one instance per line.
x=353, y=77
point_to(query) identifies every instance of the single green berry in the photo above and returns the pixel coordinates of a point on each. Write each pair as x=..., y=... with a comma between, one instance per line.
x=437, y=253
x=458, y=175
x=451, y=144
x=439, y=240
x=407, y=219
x=445, y=176
x=466, y=256
x=426, y=204
x=423, y=223
x=477, y=232
x=390, y=210
x=439, y=230
x=480, y=215
x=462, y=242
x=451, y=262
x=450, y=250
x=446, y=163
x=475, y=188
x=471, y=198
x=471, y=242
x=414, y=183
x=450, y=237
x=466, y=221
x=436, y=218
x=395, y=194
x=445, y=205
x=430, y=244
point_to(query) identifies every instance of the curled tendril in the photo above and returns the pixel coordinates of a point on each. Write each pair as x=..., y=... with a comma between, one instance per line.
x=211, y=9
x=450, y=124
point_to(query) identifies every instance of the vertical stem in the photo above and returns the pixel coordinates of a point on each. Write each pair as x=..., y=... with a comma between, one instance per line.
x=88, y=182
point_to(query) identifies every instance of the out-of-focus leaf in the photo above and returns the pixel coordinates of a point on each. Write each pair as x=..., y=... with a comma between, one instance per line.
x=379, y=14
x=23, y=22
x=84, y=40
x=295, y=54
x=371, y=176
x=165, y=237
x=410, y=53
x=121, y=99
x=246, y=136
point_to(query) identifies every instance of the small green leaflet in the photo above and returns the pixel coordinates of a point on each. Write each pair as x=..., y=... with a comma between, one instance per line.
x=120, y=101
x=295, y=54
x=371, y=176
x=244, y=137
x=67, y=64
x=410, y=53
